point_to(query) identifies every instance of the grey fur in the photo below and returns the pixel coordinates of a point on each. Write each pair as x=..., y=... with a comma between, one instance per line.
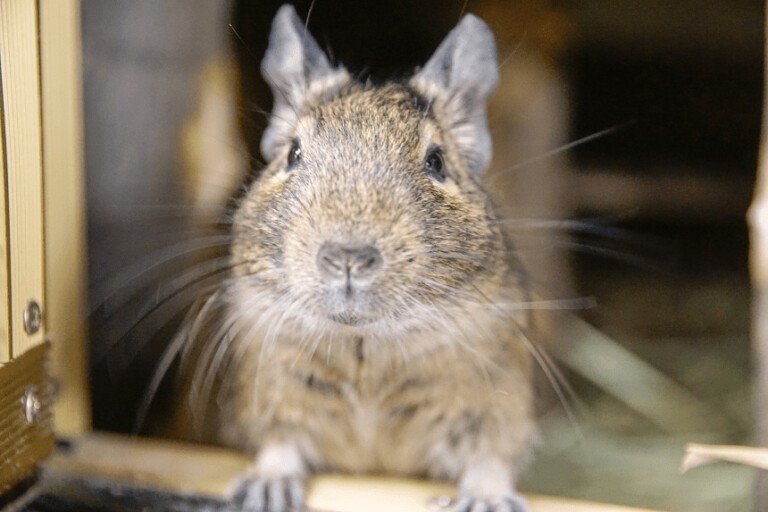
x=462, y=74
x=295, y=67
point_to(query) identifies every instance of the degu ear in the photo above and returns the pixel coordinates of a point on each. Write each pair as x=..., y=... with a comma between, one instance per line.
x=458, y=78
x=297, y=71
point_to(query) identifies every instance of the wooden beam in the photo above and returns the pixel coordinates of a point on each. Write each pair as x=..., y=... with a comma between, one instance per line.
x=64, y=195
x=757, y=218
x=156, y=470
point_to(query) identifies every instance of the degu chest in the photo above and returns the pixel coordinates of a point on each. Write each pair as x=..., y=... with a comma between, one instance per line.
x=354, y=412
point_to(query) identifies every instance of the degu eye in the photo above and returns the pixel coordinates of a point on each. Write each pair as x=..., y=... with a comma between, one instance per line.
x=294, y=155
x=434, y=165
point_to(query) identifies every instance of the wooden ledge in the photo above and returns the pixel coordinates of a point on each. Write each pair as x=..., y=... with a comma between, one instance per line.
x=205, y=473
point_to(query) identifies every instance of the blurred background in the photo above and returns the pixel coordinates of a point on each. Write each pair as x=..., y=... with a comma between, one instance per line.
x=626, y=136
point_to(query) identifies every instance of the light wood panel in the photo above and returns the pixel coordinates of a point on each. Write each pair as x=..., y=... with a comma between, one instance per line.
x=62, y=125
x=5, y=326
x=193, y=470
x=21, y=121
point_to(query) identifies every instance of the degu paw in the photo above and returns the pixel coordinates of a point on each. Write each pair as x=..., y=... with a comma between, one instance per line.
x=510, y=502
x=264, y=494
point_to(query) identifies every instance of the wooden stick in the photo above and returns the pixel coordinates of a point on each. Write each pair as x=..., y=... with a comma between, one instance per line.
x=757, y=218
x=700, y=454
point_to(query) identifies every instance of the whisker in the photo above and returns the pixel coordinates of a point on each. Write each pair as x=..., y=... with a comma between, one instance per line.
x=186, y=209
x=242, y=41
x=513, y=51
x=303, y=346
x=156, y=261
x=463, y=9
x=196, y=281
x=630, y=258
x=553, y=375
x=179, y=342
x=590, y=237
x=242, y=340
x=578, y=303
x=590, y=227
x=309, y=13
x=118, y=361
x=455, y=256
x=569, y=146
x=560, y=385
x=466, y=342
x=215, y=349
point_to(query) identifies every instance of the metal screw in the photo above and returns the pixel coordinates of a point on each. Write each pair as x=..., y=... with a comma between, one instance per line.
x=33, y=317
x=31, y=403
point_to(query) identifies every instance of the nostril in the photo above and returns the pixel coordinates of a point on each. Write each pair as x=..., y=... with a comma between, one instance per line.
x=331, y=260
x=350, y=262
x=333, y=265
x=365, y=261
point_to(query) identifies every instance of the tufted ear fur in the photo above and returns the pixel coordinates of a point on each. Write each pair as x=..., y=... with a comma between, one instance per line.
x=459, y=77
x=297, y=70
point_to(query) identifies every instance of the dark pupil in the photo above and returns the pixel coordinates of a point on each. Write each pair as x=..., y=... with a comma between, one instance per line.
x=433, y=164
x=294, y=155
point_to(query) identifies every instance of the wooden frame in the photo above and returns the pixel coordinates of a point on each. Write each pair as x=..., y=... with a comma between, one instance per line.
x=26, y=386
x=64, y=196
x=41, y=209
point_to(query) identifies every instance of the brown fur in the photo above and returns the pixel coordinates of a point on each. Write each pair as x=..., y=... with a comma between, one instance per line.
x=421, y=370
